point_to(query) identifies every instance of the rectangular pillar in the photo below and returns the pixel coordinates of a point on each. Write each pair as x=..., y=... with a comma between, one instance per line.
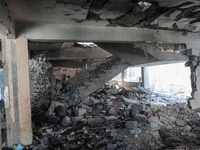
x=145, y=78
x=17, y=91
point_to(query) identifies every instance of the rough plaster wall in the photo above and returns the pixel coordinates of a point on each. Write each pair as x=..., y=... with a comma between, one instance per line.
x=39, y=77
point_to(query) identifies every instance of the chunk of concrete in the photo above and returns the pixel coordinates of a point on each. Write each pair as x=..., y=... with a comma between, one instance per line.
x=154, y=123
x=111, y=146
x=180, y=123
x=140, y=118
x=110, y=118
x=172, y=119
x=80, y=111
x=194, y=103
x=66, y=121
x=137, y=108
x=95, y=121
x=131, y=124
x=52, y=107
x=89, y=109
x=76, y=119
x=114, y=110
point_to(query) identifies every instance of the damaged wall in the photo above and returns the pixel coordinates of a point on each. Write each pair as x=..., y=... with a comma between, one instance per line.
x=195, y=81
x=39, y=77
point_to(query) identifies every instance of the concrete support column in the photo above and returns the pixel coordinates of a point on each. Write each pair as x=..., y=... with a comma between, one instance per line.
x=17, y=91
x=145, y=78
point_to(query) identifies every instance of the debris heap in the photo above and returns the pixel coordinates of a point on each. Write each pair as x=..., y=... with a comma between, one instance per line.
x=108, y=120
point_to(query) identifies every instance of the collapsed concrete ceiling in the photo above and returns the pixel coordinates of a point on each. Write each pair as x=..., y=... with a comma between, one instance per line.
x=170, y=14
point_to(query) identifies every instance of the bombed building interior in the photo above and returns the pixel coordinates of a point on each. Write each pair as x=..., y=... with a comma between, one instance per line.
x=100, y=74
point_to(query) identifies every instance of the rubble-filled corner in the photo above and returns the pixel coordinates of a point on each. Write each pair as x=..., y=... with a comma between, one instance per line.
x=110, y=119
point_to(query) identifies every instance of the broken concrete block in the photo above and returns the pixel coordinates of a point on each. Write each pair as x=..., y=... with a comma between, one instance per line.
x=172, y=119
x=89, y=109
x=131, y=124
x=110, y=118
x=194, y=103
x=69, y=112
x=117, y=108
x=114, y=110
x=80, y=111
x=76, y=119
x=111, y=146
x=140, y=118
x=99, y=107
x=154, y=123
x=56, y=104
x=180, y=123
x=192, y=135
x=52, y=107
x=66, y=105
x=137, y=108
x=66, y=121
x=51, y=110
x=95, y=121
x=187, y=128
x=84, y=120
x=154, y=108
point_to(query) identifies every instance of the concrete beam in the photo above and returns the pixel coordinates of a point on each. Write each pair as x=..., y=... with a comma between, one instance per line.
x=164, y=52
x=7, y=26
x=17, y=92
x=126, y=52
x=64, y=32
x=136, y=56
x=75, y=63
x=78, y=53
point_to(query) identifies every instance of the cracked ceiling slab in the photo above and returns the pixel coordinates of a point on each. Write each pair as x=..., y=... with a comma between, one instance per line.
x=182, y=15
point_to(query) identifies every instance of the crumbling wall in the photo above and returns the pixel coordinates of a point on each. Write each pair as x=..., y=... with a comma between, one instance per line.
x=39, y=77
x=195, y=81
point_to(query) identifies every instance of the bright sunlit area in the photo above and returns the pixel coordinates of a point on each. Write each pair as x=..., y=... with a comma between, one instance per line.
x=162, y=84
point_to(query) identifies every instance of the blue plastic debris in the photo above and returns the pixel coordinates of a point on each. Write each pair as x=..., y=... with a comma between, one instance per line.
x=97, y=96
x=136, y=131
x=73, y=95
x=19, y=147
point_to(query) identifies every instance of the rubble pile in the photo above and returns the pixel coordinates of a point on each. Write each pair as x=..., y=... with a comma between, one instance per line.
x=158, y=97
x=113, y=121
x=180, y=120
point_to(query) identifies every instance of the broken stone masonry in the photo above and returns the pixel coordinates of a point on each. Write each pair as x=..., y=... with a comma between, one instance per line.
x=39, y=77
